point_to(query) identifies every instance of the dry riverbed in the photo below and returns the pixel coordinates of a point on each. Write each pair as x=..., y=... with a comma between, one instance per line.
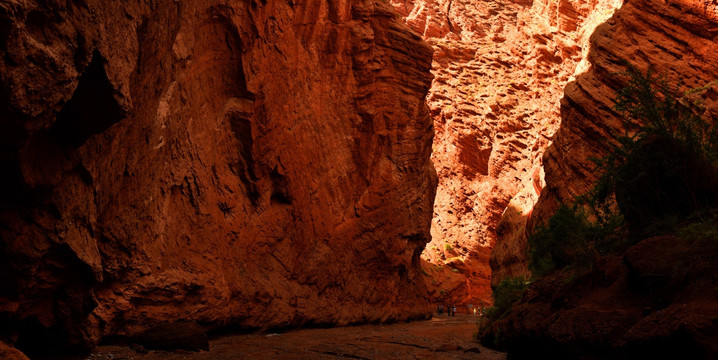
x=439, y=338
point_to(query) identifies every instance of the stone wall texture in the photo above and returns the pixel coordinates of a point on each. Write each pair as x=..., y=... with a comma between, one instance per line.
x=254, y=164
x=657, y=299
x=500, y=68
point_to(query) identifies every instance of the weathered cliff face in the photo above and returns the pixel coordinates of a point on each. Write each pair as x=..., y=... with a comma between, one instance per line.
x=500, y=68
x=677, y=39
x=656, y=298
x=254, y=163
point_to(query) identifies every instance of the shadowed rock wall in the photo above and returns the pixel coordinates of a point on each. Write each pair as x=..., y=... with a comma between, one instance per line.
x=250, y=163
x=677, y=38
x=657, y=299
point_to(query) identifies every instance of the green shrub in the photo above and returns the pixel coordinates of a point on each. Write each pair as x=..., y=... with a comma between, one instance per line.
x=659, y=174
x=506, y=294
x=702, y=227
x=663, y=167
x=447, y=247
x=659, y=177
x=564, y=241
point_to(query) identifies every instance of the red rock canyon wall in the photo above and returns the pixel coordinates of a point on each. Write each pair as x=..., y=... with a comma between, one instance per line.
x=500, y=68
x=251, y=163
x=657, y=299
x=677, y=38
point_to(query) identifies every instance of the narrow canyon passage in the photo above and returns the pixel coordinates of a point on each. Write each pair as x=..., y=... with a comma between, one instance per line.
x=175, y=166
x=500, y=68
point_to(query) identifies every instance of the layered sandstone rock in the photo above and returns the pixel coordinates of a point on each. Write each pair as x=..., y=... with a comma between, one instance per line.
x=656, y=298
x=677, y=39
x=248, y=163
x=500, y=68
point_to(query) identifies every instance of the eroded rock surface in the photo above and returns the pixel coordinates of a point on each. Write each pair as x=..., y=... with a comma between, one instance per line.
x=500, y=68
x=656, y=299
x=248, y=163
x=678, y=40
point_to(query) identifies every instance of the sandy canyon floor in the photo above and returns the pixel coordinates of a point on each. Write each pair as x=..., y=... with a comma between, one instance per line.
x=439, y=338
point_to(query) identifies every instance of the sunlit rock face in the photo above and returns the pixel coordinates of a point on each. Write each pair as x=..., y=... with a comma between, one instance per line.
x=248, y=163
x=500, y=68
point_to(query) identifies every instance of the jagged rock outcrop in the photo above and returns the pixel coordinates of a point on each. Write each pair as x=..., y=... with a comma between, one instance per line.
x=500, y=68
x=248, y=163
x=10, y=353
x=656, y=299
x=678, y=41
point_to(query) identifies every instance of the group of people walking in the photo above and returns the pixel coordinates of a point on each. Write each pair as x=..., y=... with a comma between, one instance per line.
x=450, y=309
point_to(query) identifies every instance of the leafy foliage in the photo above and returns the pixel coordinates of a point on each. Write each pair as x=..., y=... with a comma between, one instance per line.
x=663, y=166
x=569, y=239
x=704, y=227
x=659, y=174
x=659, y=177
x=652, y=102
x=505, y=294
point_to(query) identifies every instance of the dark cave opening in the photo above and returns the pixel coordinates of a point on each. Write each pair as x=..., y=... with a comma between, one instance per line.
x=92, y=108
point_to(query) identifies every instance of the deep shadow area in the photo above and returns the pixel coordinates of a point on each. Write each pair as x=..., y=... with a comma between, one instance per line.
x=92, y=108
x=632, y=276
